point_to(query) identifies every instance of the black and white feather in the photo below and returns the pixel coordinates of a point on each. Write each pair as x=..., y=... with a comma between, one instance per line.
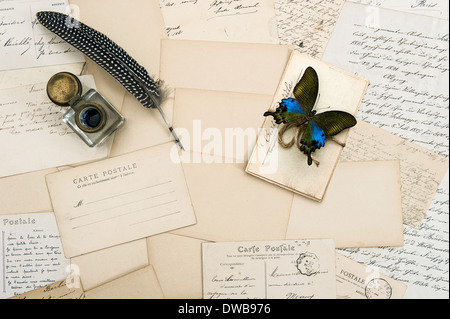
x=107, y=54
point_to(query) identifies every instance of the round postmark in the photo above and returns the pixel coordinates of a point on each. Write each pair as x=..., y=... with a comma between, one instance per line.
x=378, y=288
x=308, y=264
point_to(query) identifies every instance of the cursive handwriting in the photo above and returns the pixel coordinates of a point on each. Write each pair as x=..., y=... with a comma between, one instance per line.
x=407, y=64
x=408, y=70
x=33, y=255
x=268, y=272
x=435, y=8
x=219, y=20
x=35, y=115
x=307, y=24
x=26, y=43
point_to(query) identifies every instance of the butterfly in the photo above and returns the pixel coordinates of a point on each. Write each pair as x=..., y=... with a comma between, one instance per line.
x=313, y=128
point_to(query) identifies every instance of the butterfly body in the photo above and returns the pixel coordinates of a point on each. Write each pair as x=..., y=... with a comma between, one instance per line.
x=313, y=128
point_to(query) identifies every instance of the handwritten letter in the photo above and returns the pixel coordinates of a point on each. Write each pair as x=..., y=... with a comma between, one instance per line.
x=405, y=58
x=24, y=43
x=58, y=290
x=233, y=21
x=435, y=8
x=307, y=24
x=32, y=134
x=296, y=269
x=32, y=255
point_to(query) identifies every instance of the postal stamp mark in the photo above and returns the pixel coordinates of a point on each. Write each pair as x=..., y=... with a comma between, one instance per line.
x=378, y=288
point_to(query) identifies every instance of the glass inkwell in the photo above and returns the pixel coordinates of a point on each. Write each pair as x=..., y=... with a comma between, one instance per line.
x=90, y=116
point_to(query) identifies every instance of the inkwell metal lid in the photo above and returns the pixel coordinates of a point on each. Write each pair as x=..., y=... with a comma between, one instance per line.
x=63, y=87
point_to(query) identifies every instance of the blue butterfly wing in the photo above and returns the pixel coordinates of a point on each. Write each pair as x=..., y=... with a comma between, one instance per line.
x=321, y=127
x=289, y=111
x=313, y=138
x=305, y=93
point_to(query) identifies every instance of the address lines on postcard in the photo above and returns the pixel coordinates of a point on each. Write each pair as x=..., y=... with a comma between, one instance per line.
x=146, y=199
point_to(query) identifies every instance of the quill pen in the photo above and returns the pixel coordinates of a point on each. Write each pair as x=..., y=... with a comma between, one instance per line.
x=111, y=57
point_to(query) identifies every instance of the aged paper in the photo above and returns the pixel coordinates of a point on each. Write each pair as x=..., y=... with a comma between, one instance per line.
x=435, y=8
x=421, y=262
x=31, y=253
x=307, y=24
x=102, y=266
x=239, y=207
x=357, y=281
x=58, y=290
x=405, y=58
x=219, y=147
x=297, y=269
x=288, y=168
x=199, y=117
x=32, y=133
x=234, y=67
x=24, y=43
x=22, y=77
x=240, y=67
x=26, y=193
x=165, y=252
x=422, y=171
x=247, y=21
x=120, y=199
x=141, y=284
x=362, y=207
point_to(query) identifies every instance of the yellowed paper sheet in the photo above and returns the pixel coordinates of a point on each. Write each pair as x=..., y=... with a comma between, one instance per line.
x=235, y=67
x=100, y=267
x=21, y=77
x=177, y=261
x=362, y=207
x=141, y=284
x=221, y=128
x=120, y=199
x=288, y=168
x=296, y=269
x=25, y=193
x=357, y=281
x=218, y=123
x=239, y=207
x=247, y=21
x=422, y=171
x=58, y=290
